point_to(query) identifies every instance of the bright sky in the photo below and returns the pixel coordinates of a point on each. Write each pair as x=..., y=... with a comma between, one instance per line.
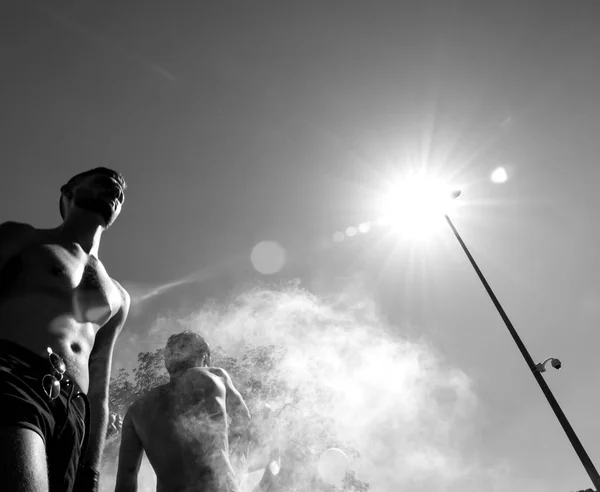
x=235, y=123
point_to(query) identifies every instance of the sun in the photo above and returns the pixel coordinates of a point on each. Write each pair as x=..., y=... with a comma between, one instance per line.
x=414, y=206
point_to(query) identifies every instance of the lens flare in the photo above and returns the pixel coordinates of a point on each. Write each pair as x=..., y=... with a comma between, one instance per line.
x=499, y=175
x=364, y=227
x=332, y=466
x=268, y=257
x=338, y=236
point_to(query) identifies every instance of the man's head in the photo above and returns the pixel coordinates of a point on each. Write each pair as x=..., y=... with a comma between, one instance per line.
x=99, y=190
x=186, y=350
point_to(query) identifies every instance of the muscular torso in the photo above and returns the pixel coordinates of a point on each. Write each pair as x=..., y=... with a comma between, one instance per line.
x=53, y=294
x=183, y=427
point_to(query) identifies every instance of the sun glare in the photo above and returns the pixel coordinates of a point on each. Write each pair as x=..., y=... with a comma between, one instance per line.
x=415, y=206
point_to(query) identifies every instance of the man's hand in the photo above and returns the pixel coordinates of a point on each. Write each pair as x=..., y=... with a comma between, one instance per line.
x=265, y=439
x=115, y=424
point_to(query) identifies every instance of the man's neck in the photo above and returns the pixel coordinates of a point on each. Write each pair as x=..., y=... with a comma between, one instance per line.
x=177, y=375
x=85, y=229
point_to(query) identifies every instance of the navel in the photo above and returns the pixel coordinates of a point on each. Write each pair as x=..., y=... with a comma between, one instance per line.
x=76, y=348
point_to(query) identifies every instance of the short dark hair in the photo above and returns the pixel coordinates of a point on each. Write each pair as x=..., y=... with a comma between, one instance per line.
x=183, y=350
x=78, y=177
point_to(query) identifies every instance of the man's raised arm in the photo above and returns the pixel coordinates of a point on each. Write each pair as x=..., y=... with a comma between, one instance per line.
x=248, y=436
x=237, y=410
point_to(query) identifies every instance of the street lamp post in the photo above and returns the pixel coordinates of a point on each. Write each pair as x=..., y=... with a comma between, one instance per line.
x=576, y=443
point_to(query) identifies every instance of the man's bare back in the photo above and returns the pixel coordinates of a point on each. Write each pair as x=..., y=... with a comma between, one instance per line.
x=183, y=428
x=54, y=294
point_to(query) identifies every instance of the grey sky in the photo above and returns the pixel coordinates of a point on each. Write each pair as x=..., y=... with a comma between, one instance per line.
x=238, y=122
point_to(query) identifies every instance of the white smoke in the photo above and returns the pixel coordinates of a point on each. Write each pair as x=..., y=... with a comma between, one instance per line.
x=413, y=416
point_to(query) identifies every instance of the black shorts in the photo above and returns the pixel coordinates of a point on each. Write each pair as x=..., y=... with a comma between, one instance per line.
x=62, y=423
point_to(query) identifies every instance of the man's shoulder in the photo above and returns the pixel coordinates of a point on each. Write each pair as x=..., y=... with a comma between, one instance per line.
x=14, y=236
x=11, y=229
x=206, y=373
x=218, y=371
x=13, y=224
x=117, y=320
x=126, y=298
x=199, y=371
x=222, y=374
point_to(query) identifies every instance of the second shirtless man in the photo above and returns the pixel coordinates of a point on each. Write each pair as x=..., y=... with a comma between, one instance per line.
x=184, y=426
x=60, y=315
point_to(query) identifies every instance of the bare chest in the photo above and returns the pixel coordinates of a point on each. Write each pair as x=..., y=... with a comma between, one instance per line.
x=67, y=273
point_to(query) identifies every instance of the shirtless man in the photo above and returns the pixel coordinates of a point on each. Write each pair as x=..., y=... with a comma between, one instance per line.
x=184, y=426
x=60, y=314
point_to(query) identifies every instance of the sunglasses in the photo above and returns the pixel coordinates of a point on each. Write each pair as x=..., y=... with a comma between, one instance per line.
x=51, y=382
